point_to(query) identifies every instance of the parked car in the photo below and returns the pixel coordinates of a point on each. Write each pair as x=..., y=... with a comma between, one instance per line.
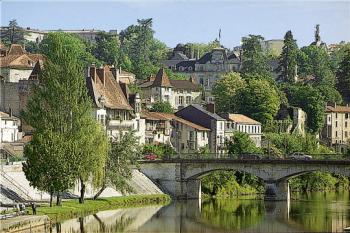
x=249, y=156
x=300, y=155
x=150, y=156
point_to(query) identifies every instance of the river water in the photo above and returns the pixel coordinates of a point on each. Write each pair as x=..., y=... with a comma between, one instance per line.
x=315, y=212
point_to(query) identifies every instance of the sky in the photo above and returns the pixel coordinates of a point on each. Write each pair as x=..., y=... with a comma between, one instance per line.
x=182, y=21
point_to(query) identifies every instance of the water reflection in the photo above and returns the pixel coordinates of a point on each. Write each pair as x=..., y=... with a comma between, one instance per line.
x=316, y=212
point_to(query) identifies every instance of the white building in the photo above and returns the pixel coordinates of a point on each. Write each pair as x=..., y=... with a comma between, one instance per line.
x=111, y=106
x=9, y=131
x=179, y=93
x=244, y=124
x=16, y=64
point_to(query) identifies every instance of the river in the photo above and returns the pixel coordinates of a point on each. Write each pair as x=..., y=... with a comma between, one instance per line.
x=314, y=212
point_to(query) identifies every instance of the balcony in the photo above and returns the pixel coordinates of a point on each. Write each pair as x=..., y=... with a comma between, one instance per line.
x=121, y=123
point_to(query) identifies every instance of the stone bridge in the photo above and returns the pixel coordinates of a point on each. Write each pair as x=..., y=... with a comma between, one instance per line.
x=181, y=178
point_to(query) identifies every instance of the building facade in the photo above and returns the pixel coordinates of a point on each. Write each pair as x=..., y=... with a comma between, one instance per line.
x=111, y=107
x=244, y=124
x=179, y=93
x=336, y=131
x=198, y=115
x=16, y=64
x=9, y=128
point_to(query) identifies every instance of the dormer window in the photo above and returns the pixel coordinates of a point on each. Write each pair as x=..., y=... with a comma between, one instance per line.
x=190, y=68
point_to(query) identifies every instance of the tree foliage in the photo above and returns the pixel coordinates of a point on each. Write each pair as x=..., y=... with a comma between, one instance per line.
x=259, y=100
x=60, y=108
x=162, y=107
x=107, y=49
x=241, y=143
x=254, y=59
x=123, y=153
x=225, y=91
x=343, y=77
x=288, y=59
x=14, y=34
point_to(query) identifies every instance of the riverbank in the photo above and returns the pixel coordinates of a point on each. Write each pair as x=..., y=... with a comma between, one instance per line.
x=71, y=209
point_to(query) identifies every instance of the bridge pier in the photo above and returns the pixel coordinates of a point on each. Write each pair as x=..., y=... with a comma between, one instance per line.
x=277, y=190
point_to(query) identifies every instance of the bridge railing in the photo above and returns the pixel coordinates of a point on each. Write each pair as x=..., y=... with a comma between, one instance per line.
x=207, y=156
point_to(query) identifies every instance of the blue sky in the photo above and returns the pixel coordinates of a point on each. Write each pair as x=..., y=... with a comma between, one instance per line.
x=176, y=21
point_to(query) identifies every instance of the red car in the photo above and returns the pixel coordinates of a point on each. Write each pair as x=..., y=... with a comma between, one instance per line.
x=150, y=157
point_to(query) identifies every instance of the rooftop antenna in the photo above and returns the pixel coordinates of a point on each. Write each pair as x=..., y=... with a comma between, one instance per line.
x=220, y=36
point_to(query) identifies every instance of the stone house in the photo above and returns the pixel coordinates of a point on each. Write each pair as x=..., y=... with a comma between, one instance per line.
x=111, y=107
x=244, y=124
x=336, y=131
x=158, y=127
x=198, y=115
x=17, y=64
x=188, y=137
x=179, y=93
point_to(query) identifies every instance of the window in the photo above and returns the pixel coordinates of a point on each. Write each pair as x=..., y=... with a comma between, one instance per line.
x=346, y=124
x=336, y=133
x=336, y=115
x=191, y=136
x=188, y=99
x=181, y=100
x=190, y=68
x=228, y=125
x=166, y=98
x=159, y=136
x=336, y=124
x=203, y=135
x=346, y=115
x=346, y=134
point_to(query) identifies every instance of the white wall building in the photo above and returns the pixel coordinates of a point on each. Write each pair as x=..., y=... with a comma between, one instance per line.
x=9, y=131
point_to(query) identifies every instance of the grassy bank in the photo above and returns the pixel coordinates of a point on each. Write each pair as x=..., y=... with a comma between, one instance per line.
x=71, y=209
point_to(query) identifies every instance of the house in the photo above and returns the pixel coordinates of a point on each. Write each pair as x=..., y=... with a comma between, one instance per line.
x=208, y=119
x=158, y=127
x=244, y=124
x=111, y=107
x=188, y=137
x=209, y=68
x=9, y=128
x=17, y=64
x=179, y=93
x=336, y=131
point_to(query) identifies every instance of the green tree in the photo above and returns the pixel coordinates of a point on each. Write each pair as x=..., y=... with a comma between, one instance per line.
x=288, y=59
x=45, y=167
x=107, y=49
x=254, y=59
x=14, y=34
x=162, y=107
x=310, y=100
x=61, y=106
x=199, y=49
x=258, y=100
x=70, y=43
x=343, y=77
x=118, y=171
x=144, y=51
x=225, y=91
x=241, y=143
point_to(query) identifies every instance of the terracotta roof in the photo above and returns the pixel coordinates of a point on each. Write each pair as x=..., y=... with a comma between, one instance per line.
x=161, y=79
x=16, y=49
x=341, y=109
x=17, y=57
x=177, y=84
x=102, y=84
x=170, y=116
x=185, y=85
x=240, y=118
x=5, y=115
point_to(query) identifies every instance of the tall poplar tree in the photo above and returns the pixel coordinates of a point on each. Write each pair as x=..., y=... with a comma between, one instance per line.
x=288, y=59
x=60, y=107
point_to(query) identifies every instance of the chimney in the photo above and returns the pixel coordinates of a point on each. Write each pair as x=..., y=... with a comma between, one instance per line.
x=115, y=73
x=101, y=74
x=193, y=79
x=92, y=72
x=210, y=107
